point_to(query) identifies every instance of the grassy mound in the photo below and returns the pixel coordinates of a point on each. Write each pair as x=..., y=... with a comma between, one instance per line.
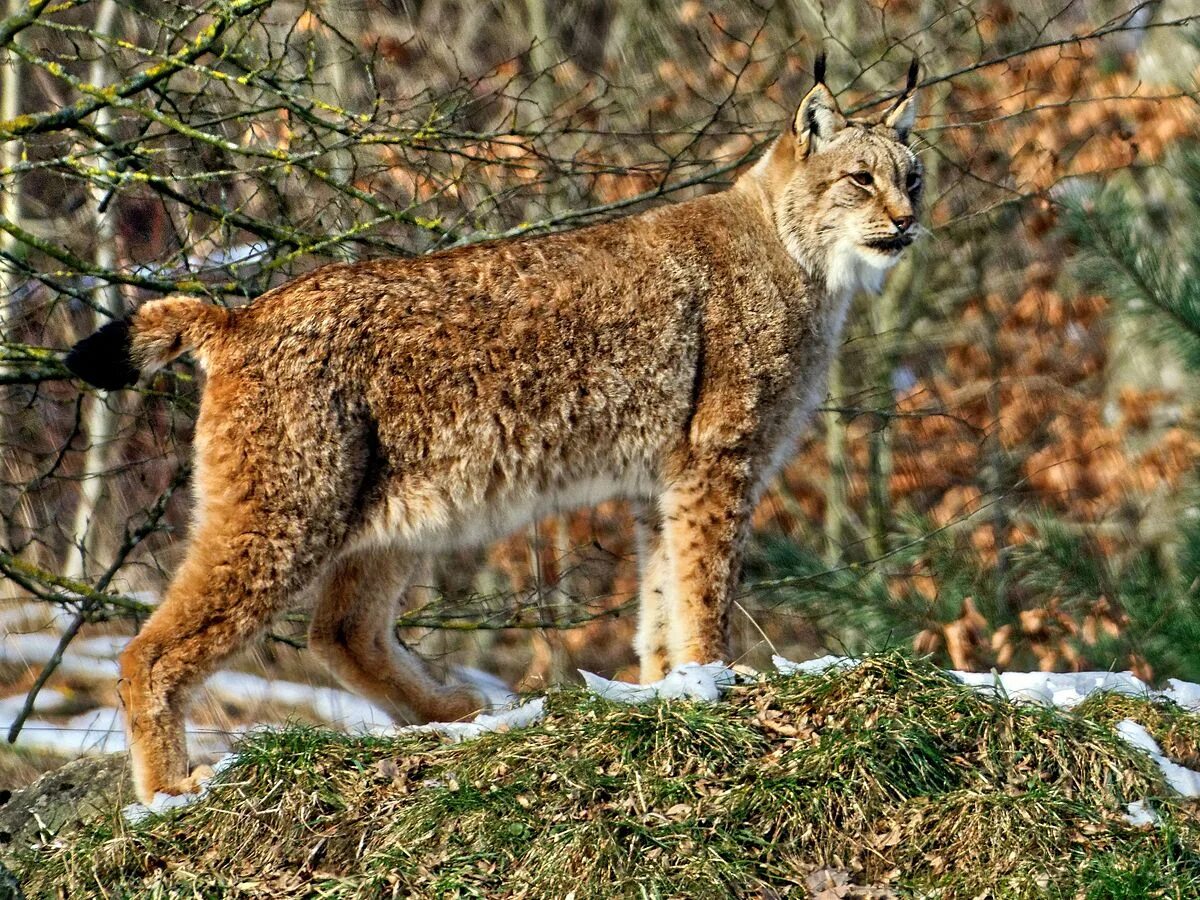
x=890, y=772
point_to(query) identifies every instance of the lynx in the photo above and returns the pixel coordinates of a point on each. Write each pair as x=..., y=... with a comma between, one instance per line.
x=365, y=415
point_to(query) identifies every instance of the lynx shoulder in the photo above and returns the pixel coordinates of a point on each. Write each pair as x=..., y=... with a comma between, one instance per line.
x=366, y=415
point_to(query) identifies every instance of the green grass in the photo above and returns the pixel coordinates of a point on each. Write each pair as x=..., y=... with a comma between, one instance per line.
x=891, y=772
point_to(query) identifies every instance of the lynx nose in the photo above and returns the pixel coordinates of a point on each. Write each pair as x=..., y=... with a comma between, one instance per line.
x=904, y=223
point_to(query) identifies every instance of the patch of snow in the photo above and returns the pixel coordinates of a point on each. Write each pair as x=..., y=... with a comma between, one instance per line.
x=96, y=731
x=1064, y=690
x=48, y=700
x=31, y=617
x=103, y=646
x=1138, y=737
x=1061, y=689
x=1185, y=781
x=1184, y=693
x=28, y=647
x=1067, y=690
x=506, y=720
x=687, y=682
x=331, y=704
x=812, y=666
x=691, y=682
x=139, y=812
x=34, y=649
x=223, y=762
x=136, y=812
x=1138, y=814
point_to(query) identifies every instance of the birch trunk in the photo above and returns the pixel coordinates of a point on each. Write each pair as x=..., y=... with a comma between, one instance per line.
x=10, y=209
x=100, y=422
x=10, y=155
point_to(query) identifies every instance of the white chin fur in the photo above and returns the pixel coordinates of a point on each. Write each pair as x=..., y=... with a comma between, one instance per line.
x=852, y=267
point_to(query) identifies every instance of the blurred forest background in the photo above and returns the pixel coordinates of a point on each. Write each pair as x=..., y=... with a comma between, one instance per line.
x=1004, y=474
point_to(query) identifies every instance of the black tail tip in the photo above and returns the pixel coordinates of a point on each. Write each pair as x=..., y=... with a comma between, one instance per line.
x=819, y=68
x=914, y=72
x=105, y=359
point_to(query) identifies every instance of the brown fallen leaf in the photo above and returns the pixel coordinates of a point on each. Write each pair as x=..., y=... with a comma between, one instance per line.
x=834, y=884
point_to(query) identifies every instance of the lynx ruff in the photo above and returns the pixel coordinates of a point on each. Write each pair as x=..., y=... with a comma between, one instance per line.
x=365, y=415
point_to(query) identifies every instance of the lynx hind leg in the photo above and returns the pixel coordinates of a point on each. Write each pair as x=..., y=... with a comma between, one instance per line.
x=654, y=579
x=353, y=633
x=225, y=592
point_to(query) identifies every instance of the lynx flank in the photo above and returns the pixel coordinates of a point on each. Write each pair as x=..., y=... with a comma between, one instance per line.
x=365, y=415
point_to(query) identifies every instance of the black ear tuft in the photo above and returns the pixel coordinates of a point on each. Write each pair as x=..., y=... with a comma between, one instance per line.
x=819, y=68
x=914, y=69
x=104, y=359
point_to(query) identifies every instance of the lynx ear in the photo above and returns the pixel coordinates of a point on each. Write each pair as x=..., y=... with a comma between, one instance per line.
x=904, y=113
x=818, y=119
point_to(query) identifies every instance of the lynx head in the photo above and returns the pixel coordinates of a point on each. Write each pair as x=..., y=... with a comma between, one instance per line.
x=844, y=193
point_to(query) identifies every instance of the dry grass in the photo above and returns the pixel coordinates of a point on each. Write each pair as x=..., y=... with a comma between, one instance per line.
x=890, y=772
x=19, y=767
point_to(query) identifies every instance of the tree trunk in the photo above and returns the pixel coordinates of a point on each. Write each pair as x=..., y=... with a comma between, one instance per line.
x=835, y=451
x=10, y=209
x=100, y=422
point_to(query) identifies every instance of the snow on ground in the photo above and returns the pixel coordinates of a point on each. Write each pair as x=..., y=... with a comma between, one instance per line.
x=811, y=666
x=98, y=730
x=48, y=700
x=688, y=682
x=692, y=681
x=1139, y=814
x=103, y=646
x=333, y=705
x=1062, y=689
x=1054, y=689
x=503, y=720
x=32, y=617
x=136, y=812
x=34, y=649
x=1185, y=781
x=1067, y=690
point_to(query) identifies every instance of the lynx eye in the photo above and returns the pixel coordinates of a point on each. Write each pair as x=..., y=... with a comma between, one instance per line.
x=862, y=179
x=913, y=181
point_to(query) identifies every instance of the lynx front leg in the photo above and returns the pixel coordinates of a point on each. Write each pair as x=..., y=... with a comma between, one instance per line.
x=654, y=580
x=707, y=516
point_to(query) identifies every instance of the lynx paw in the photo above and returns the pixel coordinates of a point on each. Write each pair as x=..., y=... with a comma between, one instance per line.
x=182, y=793
x=461, y=704
x=200, y=776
